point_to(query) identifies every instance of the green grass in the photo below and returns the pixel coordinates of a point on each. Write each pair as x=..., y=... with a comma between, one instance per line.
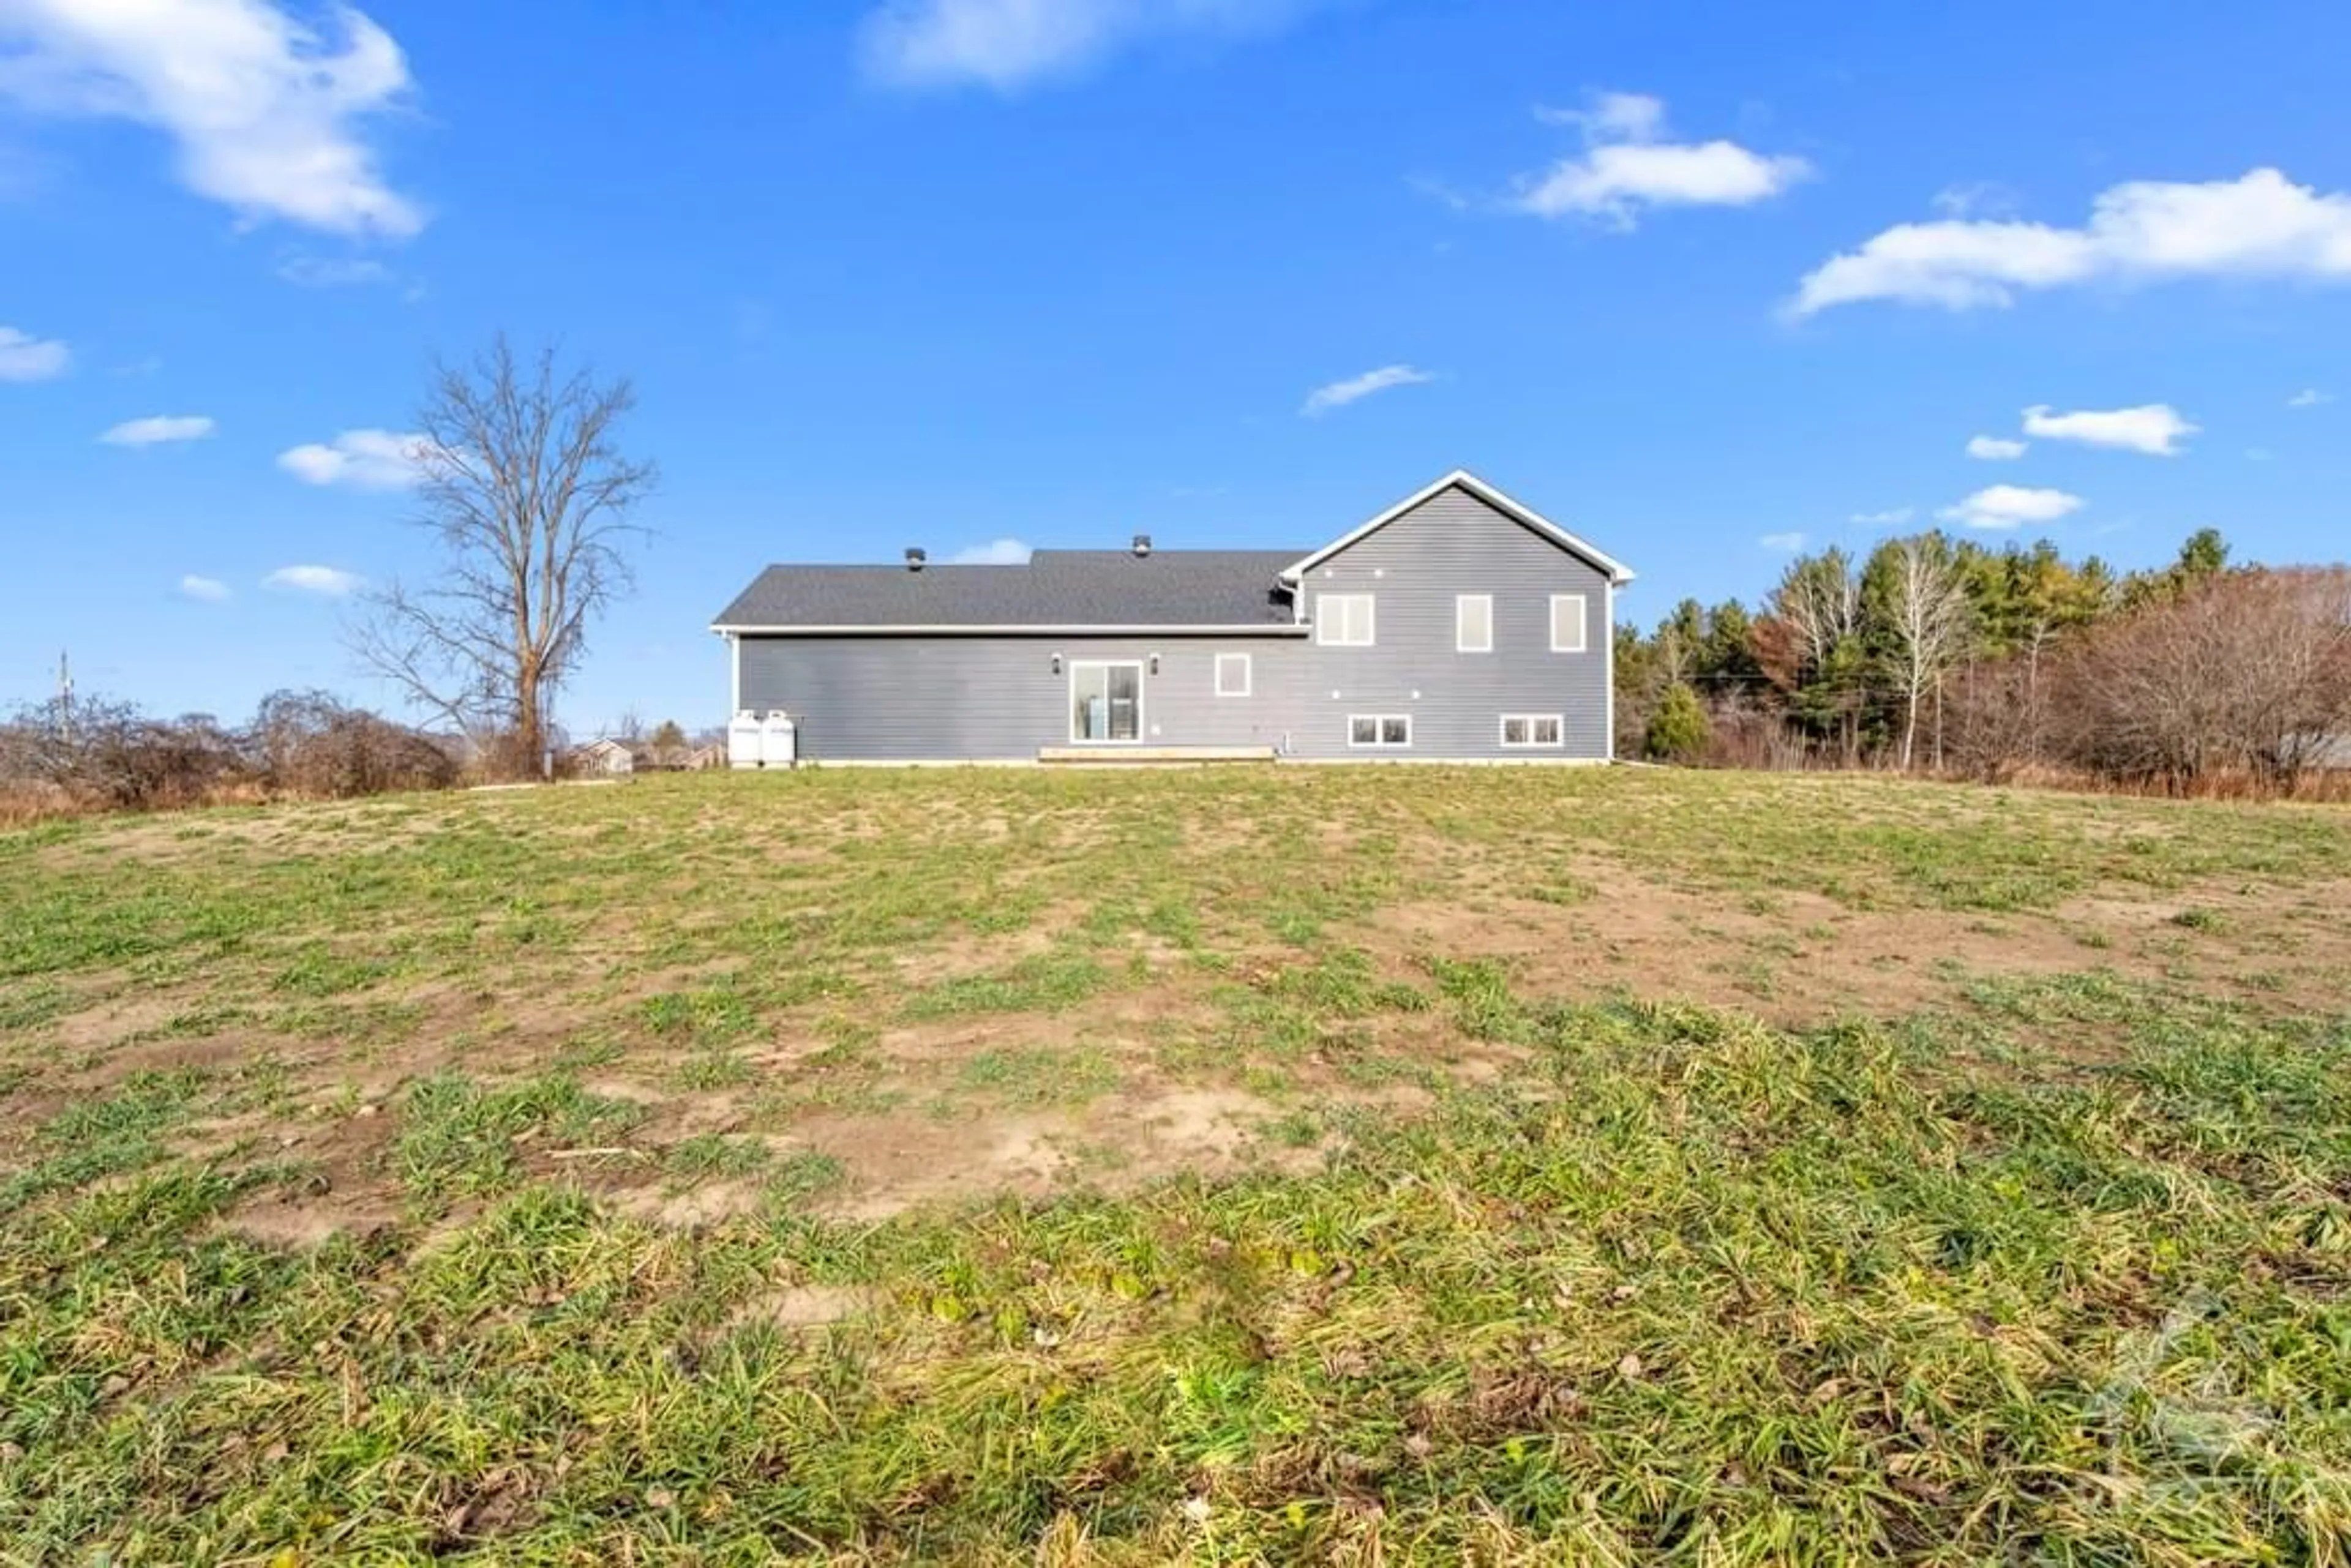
x=2031, y=1265
x=1741, y=1295
x=458, y=1138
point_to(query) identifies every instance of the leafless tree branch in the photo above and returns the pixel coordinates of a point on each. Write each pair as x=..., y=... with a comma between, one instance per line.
x=531, y=500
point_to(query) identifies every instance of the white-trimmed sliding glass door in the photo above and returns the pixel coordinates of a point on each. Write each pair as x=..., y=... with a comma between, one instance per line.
x=1105, y=700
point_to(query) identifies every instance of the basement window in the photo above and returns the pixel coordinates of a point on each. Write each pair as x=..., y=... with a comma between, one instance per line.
x=1528, y=730
x=1379, y=730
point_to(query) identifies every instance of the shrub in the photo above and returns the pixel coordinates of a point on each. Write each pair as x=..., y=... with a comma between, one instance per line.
x=1679, y=730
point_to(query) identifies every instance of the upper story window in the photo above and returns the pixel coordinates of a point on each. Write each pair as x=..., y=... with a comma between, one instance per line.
x=1343, y=620
x=1473, y=623
x=1232, y=675
x=1567, y=623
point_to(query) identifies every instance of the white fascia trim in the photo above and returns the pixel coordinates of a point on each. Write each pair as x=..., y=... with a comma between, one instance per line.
x=1617, y=571
x=1373, y=756
x=1258, y=629
x=1608, y=668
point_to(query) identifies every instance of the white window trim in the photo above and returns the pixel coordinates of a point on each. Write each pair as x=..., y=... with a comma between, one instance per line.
x=1559, y=731
x=1141, y=730
x=1379, y=728
x=1461, y=643
x=1249, y=675
x=1325, y=632
x=1582, y=624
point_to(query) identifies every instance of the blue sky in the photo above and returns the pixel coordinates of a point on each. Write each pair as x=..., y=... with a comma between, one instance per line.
x=1693, y=280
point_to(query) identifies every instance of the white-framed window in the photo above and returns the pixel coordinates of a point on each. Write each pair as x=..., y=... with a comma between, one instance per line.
x=1473, y=622
x=1379, y=730
x=1105, y=700
x=1343, y=620
x=1233, y=674
x=1567, y=623
x=1532, y=729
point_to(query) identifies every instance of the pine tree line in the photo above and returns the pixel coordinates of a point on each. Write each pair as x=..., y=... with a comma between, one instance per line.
x=1943, y=654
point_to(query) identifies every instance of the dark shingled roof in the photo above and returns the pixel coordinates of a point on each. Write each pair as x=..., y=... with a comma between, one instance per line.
x=1057, y=588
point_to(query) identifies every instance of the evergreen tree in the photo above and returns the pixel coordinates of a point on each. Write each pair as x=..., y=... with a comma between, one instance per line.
x=2206, y=554
x=1726, y=658
x=1679, y=731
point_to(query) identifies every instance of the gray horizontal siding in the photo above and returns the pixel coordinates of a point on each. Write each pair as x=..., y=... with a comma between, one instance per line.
x=1414, y=567
x=920, y=698
x=993, y=698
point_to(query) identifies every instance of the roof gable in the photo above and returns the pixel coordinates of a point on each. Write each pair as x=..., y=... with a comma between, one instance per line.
x=1469, y=482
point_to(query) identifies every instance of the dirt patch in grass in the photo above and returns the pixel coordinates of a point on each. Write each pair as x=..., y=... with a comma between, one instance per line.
x=1796, y=958
x=799, y=1307
x=895, y=1163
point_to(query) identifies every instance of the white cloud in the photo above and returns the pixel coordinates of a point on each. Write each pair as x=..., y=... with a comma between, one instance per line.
x=995, y=552
x=1009, y=44
x=330, y=581
x=1613, y=117
x=2008, y=505
x=264, y=110
x=1627, y=164
x=1791, y=542
x=2309, y=397
x=1339, y=394
x=362, y=459
x=2155, y=428
x=2263, y=225
x=1979, y=199
x=1994, y=448
x=157, y=429
x=210, y=589
x=1892, y=517
x=24, y=358
x=333, y=272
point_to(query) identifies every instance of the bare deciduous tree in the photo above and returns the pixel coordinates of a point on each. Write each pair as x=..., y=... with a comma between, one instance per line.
x=527, y=491
x=1923, y=603
x=2245, y=670
x=1819, y=600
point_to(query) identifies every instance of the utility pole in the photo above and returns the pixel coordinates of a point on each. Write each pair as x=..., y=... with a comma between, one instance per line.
x=64, y=698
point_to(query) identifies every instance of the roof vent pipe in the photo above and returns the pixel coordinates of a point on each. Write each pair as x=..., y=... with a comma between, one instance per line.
x=914, y=559
x=1142, y=546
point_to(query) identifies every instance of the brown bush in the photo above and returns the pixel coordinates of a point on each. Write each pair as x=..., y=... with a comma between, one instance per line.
x=65, y=757
x=2249, y=672
x=308, y=744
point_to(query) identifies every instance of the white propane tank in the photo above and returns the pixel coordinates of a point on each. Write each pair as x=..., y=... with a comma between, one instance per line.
x=779, y=740
x=743, y=740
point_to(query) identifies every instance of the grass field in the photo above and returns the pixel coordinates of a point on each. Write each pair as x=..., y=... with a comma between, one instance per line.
x=1348, y=1165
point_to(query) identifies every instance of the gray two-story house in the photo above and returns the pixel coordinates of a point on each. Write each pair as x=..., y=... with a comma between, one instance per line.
x=1458, y=625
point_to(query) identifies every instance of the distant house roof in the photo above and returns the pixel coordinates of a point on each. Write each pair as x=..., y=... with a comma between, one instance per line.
x=1057, y=590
